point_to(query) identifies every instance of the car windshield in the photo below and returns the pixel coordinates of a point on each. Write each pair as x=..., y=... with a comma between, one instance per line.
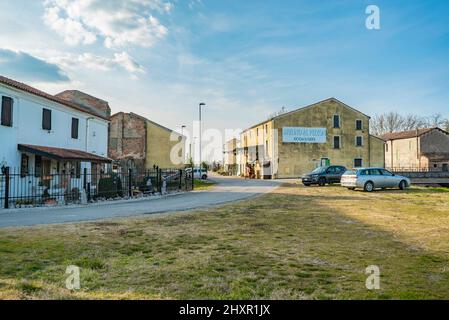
x=319, y=170
x=350, y=172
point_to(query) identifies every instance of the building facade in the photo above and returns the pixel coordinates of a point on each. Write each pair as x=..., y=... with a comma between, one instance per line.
x=422, y=149
x=230, y=164
x=294, y=143
x=46, y=136
x=138, y=143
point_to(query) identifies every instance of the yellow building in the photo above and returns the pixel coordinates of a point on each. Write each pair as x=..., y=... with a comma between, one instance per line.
x=230, y=156
x=294, y=143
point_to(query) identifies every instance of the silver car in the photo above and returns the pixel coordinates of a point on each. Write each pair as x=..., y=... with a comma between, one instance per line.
x=370, y=179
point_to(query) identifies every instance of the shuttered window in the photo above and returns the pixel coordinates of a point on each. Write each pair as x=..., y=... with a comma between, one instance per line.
x=337, y=144
x=336, y=121
x=6, y=112
x=46, y=119
x=75, y=125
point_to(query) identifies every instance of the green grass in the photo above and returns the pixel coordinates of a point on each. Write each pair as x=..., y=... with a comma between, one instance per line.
x=203, y=185
x=295, y=243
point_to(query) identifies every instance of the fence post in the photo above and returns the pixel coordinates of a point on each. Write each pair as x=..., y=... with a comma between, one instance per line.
x=7, y=188
x=180, y=179
x=130, y=191
x=159, y=179
x=88, y=192
x=193, y=179
x=85, y=179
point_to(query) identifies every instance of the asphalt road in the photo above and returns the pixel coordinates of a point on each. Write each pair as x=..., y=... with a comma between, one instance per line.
x=227, y=190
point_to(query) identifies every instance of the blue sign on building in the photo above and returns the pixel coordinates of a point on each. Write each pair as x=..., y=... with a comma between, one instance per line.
x=304, y=135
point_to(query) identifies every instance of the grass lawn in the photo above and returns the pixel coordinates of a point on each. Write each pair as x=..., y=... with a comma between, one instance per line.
x=295, y=243
x=200, y=185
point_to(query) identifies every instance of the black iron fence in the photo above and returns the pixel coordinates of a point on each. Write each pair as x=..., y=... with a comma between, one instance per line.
x=22, y=190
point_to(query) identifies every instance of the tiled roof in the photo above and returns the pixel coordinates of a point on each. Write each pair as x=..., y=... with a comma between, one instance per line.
x=62, y=154
x=406, y=134
x=37, y=92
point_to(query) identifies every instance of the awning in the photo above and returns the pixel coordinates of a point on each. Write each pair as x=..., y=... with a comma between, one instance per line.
x=62, y=154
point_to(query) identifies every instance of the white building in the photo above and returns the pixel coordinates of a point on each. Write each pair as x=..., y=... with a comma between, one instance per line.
x=44, y=136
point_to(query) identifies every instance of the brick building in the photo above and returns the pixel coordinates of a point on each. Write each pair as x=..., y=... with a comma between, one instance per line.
x=138, y=143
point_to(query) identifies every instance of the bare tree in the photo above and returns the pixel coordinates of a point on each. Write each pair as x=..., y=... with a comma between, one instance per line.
x=436, y=120
x=395, y=122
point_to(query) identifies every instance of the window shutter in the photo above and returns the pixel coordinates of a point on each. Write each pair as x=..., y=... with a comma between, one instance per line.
x=75, y=126
x=46, y=119
x=6, y=112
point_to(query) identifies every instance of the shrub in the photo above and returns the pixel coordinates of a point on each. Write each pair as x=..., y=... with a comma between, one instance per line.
x=110, y=187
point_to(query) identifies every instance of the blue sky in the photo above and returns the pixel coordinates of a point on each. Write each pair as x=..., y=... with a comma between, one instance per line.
x=245, y=59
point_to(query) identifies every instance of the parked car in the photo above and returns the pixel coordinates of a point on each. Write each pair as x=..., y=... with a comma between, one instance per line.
x=323, y=175
x=370, y=179
x=198, y=173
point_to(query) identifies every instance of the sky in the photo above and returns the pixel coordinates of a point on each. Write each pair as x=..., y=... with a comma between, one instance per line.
x=244, y=59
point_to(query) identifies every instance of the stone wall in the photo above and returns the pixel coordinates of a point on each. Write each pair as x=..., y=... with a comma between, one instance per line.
x=127, y=140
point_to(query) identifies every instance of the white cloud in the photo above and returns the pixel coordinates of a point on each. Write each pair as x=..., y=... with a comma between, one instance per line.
x=118, y=23
x=94, y=62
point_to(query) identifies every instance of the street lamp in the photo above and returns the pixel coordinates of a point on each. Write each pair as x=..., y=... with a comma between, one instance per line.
x=202, y=104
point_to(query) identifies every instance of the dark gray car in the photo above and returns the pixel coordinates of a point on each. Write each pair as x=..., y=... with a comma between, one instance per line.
x=324, y=175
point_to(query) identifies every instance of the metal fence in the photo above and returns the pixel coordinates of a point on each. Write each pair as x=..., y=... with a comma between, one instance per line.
x=23, y=190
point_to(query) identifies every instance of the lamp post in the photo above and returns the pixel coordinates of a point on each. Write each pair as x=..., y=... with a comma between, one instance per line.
x=202, y=104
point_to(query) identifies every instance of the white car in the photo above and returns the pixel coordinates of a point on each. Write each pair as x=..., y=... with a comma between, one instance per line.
x=370, y=179
x=198, y=173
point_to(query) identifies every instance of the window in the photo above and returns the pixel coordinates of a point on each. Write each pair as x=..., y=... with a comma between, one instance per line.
x=374, y=172
x=75, y=170
x=75, y=125
x=24, y=165
x=6, y=112
x=336, y=121
x=331, y=170
x=359, y=141
x=386, y=147
x=266, y=128
x=386, y=173
x=46, y=119
x=358, y=163
x=37, y=166
x=336, y=142
x=359, y=125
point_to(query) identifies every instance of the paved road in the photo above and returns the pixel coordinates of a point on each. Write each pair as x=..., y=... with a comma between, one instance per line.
x=227, y=190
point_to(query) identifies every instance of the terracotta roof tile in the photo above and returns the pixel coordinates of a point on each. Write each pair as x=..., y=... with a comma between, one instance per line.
x=62, y=154
x=37, y=92
x=406, y=134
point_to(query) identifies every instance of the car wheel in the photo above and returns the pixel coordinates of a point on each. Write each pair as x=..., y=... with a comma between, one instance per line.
x=322, y=182
x=306, y=184
x=369, y=187
x=403, y=185
x=204, y=177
